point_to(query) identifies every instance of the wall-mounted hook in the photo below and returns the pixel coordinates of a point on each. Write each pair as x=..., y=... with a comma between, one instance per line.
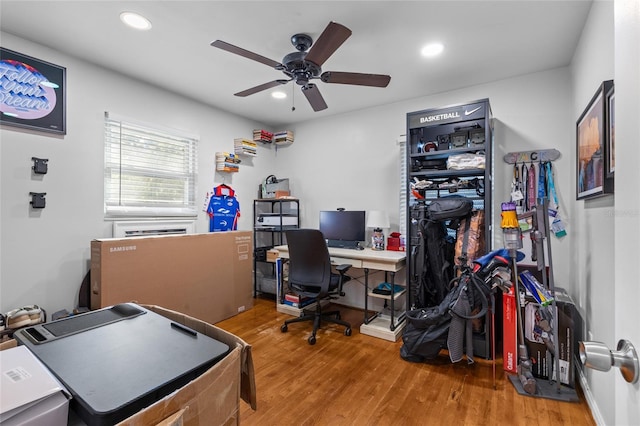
x=37, y=200
x=40, y=165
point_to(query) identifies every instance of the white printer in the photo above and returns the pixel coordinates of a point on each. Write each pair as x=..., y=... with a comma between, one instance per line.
x=276, y=219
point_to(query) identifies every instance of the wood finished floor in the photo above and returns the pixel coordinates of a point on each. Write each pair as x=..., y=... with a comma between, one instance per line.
x=361, y=380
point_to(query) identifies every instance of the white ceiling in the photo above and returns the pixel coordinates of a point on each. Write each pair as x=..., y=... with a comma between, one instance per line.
x=484, y=41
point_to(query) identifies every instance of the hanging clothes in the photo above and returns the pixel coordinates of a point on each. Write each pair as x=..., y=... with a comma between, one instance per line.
x=542, y=184
x=531, y=187
x=223, y=209
x=225, y=190
x=557, y=225
x=523, y=175
x=517, y=190
x=553, y=196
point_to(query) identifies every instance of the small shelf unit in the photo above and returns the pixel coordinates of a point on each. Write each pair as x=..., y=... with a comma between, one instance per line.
x=271, y=218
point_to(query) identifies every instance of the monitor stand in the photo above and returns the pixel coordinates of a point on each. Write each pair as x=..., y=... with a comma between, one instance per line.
x=354, y=245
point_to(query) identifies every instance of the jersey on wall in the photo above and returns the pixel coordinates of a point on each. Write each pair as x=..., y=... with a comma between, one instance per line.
x=223, y=210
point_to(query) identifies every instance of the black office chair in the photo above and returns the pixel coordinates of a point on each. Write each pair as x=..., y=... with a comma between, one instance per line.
x=310, y=275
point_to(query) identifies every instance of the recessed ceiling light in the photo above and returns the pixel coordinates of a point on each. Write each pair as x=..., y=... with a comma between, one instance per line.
x=136, y=21
x=432, y=49
x=279, y=95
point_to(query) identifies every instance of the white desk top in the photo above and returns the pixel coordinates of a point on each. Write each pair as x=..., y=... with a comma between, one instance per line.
x=384, y=260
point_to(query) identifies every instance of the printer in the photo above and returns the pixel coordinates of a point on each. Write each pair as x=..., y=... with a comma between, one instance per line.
x=276, y=219
x=119, y=360
x=274, y=187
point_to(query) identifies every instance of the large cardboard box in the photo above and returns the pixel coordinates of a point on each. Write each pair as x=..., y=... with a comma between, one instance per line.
x=537, y=333
x=31, y=395
x=207, y=276
x=214, y=397
x=8, y=344
x=538, y=336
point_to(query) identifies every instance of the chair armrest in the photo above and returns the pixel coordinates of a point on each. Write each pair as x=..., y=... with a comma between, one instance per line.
x=343, y=268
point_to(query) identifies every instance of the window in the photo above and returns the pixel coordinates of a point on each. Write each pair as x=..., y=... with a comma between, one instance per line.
x=148, y=171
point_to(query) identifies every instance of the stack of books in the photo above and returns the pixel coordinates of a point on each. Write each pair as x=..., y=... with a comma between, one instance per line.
x=297, y=301
x=283, y=138
x=263, y=136
x=227, y=162
x=243, y=146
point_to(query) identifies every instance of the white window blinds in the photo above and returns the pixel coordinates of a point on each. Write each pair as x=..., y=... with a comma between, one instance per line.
x=402, y=142
x=148, y=172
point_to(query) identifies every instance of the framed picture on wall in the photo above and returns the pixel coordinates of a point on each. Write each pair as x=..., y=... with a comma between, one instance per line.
x=32, y=93
x=611, y=133
x=591, y=147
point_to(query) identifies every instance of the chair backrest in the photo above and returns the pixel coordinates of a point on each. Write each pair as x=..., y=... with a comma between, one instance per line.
x=309, y=262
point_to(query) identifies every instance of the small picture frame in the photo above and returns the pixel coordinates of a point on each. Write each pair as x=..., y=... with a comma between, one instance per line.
x=32, y=94
x=591, y=147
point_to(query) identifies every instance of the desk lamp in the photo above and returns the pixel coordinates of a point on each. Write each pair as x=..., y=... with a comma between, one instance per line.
x=377, y=220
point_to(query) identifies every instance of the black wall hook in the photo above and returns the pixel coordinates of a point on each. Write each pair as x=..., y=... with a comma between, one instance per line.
x=40, y=165
x=37, y=200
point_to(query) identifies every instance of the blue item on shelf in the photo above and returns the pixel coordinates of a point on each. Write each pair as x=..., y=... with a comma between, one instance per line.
x=385, y=289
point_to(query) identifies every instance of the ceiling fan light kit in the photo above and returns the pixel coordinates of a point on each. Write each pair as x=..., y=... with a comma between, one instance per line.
x=305, y=64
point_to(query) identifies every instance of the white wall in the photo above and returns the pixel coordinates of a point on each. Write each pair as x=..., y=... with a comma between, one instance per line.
x=592, y=276
x=45, y=254
x=352, y=160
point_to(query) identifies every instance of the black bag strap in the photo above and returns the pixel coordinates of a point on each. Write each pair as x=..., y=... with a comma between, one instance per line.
x=465, y=237
x=484, y=302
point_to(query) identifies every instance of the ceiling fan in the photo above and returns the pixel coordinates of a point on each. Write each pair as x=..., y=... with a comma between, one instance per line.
x=305, y=65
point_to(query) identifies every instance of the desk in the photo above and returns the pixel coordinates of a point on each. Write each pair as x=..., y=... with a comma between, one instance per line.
x=381, y=260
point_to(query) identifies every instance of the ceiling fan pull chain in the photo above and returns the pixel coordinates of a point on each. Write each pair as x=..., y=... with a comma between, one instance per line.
x=293, y=98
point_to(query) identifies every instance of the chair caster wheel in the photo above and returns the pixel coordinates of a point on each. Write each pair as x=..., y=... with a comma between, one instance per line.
x=347, y=331
x=312, y=340
x=284, y=328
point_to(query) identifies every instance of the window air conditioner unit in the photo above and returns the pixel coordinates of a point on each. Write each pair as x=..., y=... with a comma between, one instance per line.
x=146, y=228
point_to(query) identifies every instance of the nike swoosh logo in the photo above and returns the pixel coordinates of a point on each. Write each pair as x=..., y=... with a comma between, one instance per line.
x=472, y=111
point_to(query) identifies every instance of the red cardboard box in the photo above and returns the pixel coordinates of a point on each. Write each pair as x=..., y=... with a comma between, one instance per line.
x=509, y=332
x=510, y=325
x=395, y=243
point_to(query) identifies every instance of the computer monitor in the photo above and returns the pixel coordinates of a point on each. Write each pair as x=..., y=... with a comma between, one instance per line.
x=343, y=228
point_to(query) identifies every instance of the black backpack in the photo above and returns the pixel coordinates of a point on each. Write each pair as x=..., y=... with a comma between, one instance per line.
x=434, y=249
x=427, y=330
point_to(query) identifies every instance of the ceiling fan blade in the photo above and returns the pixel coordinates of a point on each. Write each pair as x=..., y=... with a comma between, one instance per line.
x=331, y=38
x=261, y=87
x=375, y=80
x=247, y=54
x=314, y=97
